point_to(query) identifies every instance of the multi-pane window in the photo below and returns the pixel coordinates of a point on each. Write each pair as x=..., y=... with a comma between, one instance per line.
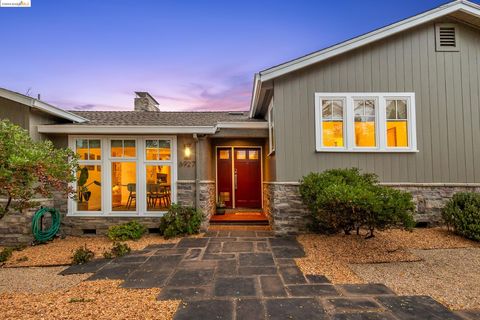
x=158, y=150
x=123, y=148
x=332, y=123
x=89, y=175
x=365, y=122
x=397, y=123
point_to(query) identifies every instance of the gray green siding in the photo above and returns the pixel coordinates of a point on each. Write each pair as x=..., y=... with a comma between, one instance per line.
x=447, y=88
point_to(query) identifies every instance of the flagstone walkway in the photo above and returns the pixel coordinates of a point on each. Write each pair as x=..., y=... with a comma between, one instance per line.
x=252, y=275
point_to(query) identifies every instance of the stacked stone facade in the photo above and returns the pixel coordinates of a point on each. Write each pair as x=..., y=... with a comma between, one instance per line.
x=288, y=215
x=207, y=201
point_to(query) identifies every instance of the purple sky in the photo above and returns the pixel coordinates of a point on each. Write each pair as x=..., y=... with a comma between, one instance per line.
x=190, y=55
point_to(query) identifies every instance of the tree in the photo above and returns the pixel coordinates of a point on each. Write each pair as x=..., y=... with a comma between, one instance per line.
x=31, y=168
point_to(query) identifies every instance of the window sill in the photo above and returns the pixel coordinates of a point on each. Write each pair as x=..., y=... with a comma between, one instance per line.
x=117, y=215
x=367, y=150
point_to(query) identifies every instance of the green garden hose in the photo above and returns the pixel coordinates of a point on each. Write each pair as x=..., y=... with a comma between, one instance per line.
x=45, y=235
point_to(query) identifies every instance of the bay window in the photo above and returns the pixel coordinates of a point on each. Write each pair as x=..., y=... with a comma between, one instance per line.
x=368, y=122
x=124, y=176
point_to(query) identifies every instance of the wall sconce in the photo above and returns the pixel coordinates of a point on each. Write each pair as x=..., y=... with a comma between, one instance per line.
x=187, y=148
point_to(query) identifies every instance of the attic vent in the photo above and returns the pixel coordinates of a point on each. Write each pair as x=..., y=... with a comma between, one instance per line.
x=446, y=37
x=236, y=113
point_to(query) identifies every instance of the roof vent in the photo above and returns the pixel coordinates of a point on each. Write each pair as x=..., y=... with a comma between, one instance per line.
x=446, y=35
x=236, y=113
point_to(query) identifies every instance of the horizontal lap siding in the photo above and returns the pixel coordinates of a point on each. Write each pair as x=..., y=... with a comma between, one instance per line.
x=446, y=85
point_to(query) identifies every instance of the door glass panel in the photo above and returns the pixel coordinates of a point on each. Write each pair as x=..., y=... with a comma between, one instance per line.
x=124, y=186
x=224, y=154
x=241, y=154
x=116, y=148
x=89, y=188
x=253, y=154
x=158, y=186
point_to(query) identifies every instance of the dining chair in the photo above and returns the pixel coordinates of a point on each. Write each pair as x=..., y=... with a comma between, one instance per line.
x=132, y=189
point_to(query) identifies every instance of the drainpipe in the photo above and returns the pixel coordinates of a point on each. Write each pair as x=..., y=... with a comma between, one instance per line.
x=197, y=171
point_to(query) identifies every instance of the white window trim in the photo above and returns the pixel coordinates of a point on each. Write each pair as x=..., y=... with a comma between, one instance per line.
x=105, y=162
x=380, y=125
x=271, y=127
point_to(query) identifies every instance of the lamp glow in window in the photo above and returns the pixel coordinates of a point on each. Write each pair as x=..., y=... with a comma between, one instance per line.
x=397, y=123
x=332, y=123
x=365, y=123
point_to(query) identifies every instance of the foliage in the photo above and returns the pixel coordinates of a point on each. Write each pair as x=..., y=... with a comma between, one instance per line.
x=345, y=199
x=5, y=254
x=127, y=231
x=82, y=255
x=180, y=220
x=462, y=212
x=118, y=250
x=29, y=168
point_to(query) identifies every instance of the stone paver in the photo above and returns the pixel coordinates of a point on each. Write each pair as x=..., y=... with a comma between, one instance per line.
x=253, y=275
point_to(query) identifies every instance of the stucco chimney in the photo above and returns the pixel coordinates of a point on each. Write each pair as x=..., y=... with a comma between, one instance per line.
x=145, y=102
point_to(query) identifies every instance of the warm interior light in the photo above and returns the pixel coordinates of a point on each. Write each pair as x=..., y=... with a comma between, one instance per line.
x=188, y=151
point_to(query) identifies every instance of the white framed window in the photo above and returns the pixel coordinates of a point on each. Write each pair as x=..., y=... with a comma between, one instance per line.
x=124, y=176
x=365, y=122
x=271, y=128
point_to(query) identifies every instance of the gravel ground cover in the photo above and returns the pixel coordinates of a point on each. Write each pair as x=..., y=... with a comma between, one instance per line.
x=332, y=255
x=36, y=280
x=59, y=251
x=451, y=276
x=88, y=300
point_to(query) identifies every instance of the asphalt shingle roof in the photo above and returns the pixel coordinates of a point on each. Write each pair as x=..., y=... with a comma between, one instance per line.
x=151, y=118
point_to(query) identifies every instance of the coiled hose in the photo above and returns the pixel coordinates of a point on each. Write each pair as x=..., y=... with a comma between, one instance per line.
x=45, y=235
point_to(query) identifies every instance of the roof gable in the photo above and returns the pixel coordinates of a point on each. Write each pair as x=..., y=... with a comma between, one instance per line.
x=465, y=8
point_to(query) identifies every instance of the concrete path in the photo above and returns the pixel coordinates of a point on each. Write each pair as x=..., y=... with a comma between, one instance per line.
x=252, y=275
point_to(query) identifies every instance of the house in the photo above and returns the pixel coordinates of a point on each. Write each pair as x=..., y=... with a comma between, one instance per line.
x=401, y=101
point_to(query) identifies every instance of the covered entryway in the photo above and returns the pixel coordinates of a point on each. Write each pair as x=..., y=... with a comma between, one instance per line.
x=239, y=177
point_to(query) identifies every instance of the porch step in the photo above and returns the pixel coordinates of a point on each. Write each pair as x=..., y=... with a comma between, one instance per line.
x=240, y=223
x=240, y=218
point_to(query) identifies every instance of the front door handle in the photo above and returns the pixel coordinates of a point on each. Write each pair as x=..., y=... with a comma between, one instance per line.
x=235, y=179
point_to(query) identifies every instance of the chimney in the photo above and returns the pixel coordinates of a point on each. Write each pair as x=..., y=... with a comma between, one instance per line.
x=145, y=102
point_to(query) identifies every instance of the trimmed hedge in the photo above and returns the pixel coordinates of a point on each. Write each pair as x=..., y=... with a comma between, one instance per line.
x=462, y=213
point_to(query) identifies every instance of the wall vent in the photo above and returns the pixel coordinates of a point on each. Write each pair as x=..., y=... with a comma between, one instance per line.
x=446, y=35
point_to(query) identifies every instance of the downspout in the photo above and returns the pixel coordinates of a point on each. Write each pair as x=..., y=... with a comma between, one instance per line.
x=197, y=171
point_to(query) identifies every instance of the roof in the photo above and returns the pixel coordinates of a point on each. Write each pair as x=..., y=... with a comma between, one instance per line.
x=162, y=118
x=40, y=105
x=460, y=6
x=156, y=122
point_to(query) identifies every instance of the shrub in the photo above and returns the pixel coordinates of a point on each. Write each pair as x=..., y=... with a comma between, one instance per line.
x=345, y=199
x=5, y=254
x=180, y=220
x=118, y=250
x=462, y=212
x=127, y=231
x=82, y=255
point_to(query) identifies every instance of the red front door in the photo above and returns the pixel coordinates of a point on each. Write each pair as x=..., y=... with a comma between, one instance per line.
x=239, y=177
x=247, y=178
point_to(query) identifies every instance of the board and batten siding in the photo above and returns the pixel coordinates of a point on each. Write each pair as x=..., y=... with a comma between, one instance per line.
x=447, y=89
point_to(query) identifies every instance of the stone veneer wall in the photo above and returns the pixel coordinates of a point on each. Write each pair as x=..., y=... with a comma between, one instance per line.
x=15, y=227
x=186, y=193
x=208, y=202
x=288, y=215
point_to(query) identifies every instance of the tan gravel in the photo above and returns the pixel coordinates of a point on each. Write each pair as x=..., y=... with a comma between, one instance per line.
x=59, y=251
x=88, y=300
x=35, y=280
x=451, y=276
x=331, y=255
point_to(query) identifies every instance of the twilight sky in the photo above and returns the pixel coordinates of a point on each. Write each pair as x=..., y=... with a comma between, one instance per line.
x=190, y=55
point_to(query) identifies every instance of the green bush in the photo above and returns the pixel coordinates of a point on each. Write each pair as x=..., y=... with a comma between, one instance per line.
x=82, y=255
x=127, y=231
x=462, y=212
x=5, y=254
x=180, y=220
x=345, y=199
x=118, y=250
